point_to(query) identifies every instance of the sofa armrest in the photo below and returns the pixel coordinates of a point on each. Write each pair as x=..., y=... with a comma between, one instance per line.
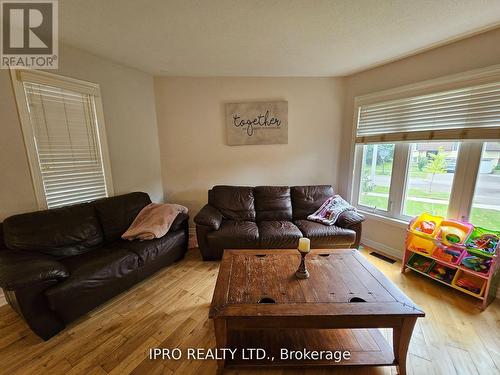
x=349, y=219
x=179, y=221
x=3, y=246
x=19, y=269
x=209, y=216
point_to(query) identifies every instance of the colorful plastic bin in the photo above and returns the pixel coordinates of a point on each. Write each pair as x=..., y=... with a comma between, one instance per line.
x=476, y=263
x=420, y=263
x=415, y=224
x=473, y=246
x=450, y=229
x=442, y=273
x=419, y=241
x=448, y=254
x=461, y=280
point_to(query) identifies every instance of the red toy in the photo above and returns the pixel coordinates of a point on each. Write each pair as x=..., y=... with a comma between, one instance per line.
x=427, y=227
x=469, y=285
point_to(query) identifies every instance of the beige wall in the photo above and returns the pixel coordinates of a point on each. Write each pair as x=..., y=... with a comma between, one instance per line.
x=193, y=148
x=16, y=188
x=476, y=52
x=130, y=116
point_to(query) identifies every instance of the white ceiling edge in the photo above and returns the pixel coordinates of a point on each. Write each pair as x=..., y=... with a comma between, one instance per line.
x=418, y=51
x=434, y=46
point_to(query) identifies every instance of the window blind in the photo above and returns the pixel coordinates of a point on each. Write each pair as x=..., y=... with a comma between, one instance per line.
x=64, y=124
x=466, y=113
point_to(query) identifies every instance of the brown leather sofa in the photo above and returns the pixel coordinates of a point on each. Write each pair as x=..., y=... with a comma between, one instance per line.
x=56, y=265
x=270, y=217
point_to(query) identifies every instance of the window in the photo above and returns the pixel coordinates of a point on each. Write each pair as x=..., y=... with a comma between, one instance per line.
x=376, y=171
x=63, y=129
x=429, y=178
x=485, y=210
x=422, y=153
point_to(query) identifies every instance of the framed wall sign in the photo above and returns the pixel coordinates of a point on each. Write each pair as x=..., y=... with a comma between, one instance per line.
x=257, y=123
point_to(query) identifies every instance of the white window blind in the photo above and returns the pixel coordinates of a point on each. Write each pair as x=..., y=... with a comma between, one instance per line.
x=66, y=137
x=466, y=113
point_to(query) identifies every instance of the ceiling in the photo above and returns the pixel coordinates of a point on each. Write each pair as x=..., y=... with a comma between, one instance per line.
x=266, y=37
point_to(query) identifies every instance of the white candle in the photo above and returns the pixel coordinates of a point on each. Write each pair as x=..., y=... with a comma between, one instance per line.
x=304, y=245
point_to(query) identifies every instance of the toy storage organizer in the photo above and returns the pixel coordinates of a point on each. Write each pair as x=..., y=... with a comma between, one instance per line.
x=454, y=253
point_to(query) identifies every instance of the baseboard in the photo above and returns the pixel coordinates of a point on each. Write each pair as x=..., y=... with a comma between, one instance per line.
x=386, y=250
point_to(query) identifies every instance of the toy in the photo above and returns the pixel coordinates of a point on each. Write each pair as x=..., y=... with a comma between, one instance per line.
x=448, y=254
x=451, y=235
x=420, y=263
x=441, y=254
x=442, y=273
x=420, y=249
x=454, y=232
x=453, y=252
x=426, y=226
x=483, y=241
x=487, y=242
x=469, y=285
x=477, y=264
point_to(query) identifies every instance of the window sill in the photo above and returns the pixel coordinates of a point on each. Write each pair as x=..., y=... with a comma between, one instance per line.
x=385, y=219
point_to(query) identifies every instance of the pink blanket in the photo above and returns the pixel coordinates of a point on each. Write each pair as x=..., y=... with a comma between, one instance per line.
x=153, y=221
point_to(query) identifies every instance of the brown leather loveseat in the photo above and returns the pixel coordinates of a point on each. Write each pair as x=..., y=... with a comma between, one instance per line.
x=270, y=217
x=58, y=264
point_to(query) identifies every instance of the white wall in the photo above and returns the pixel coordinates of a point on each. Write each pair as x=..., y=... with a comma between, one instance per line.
x=130, y=116
x=193, y=148
x=472, y=53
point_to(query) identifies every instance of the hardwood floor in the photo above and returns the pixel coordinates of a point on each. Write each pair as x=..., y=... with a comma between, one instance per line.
x=171, y=308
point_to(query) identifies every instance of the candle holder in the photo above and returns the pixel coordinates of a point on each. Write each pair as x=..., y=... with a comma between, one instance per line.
x=302, y=272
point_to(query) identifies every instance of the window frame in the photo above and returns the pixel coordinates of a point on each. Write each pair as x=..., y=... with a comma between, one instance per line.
x=468, y=157
x=28, y=133
x=455, y=188
x=474, y=164
x=462, y=190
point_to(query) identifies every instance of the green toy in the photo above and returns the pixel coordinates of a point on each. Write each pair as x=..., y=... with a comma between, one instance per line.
x=476, y=263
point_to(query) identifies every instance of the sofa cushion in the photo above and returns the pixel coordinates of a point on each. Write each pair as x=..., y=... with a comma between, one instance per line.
x=235, y=235
x=325, y=235
x=60, y=232
x=279, y=234
x=234, y=202
x=95, y=277
x=117, y=213
x=273, y=203
x=151, y=250
x=307, y=199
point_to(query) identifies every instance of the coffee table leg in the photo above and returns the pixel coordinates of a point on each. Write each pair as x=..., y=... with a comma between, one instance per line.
x=220, y=340
x=401, y=340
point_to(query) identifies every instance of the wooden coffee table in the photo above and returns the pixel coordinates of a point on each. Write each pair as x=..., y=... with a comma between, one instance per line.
x=259, y=303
